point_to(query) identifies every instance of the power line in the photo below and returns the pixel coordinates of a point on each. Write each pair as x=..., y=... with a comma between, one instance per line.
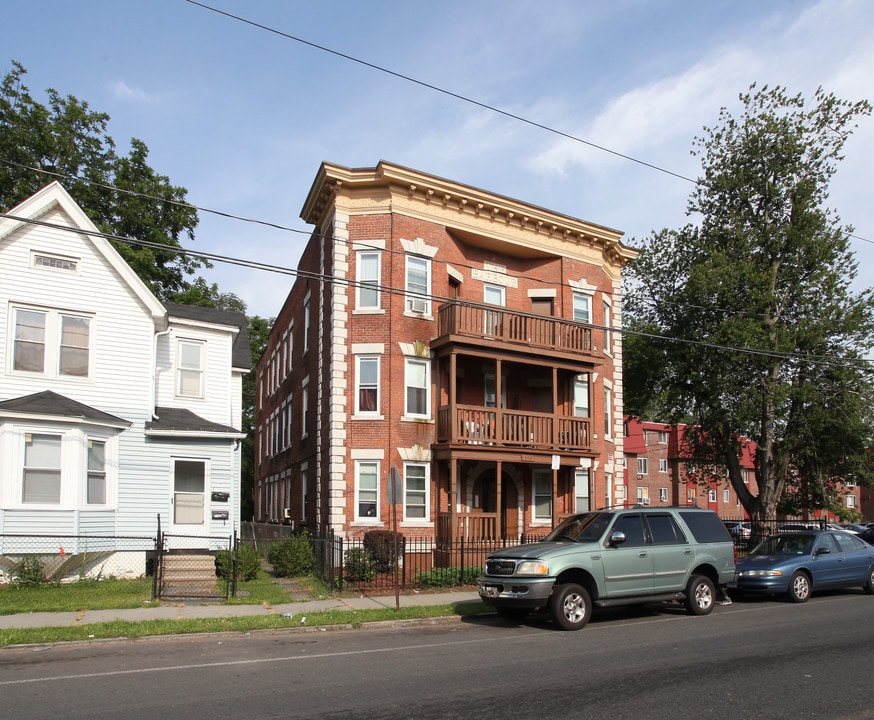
x=457, y=96
x=391, y=290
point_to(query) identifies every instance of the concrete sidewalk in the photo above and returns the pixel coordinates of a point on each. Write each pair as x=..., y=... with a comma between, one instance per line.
x=192, y=611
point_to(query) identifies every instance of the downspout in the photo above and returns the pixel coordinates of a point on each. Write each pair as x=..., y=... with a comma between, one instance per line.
x=154, y=389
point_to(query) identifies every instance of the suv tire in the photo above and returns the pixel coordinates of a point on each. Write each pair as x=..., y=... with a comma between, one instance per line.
x=700, y=595
x=570, y=606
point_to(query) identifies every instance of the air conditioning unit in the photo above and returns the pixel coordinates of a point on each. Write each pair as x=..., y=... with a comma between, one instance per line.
x=418, y=305
x=286, y=513
x=643, y=501
x=640, y=476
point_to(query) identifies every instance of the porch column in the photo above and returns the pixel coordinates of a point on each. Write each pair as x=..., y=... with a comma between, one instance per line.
x=556, y=440
x=453, y=499
x=554, y=495
x=499, y=465
x=453, y=406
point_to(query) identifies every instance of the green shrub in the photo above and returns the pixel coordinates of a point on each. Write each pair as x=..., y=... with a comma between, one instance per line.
x=359, y=565
x=248, y=563
x=292, y=557
x=386, y=547
x=448, y=577
x=28, y=572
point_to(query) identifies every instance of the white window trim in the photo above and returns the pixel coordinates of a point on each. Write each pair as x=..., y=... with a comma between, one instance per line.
x=377, y=308
x=74, y=469
x=415, y=299
x=424, y=521
x=177, y=389
x=540, y=475
x=51, y=342
x=366, y=520
x=416, y=417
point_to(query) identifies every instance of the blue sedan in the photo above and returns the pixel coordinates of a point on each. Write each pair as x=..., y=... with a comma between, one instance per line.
x=796, y=564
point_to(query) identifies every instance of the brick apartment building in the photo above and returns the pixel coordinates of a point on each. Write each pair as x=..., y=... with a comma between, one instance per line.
x=446, y=356
x=659, y=472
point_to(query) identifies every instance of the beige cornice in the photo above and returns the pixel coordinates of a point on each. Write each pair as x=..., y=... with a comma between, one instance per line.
x=476, y=216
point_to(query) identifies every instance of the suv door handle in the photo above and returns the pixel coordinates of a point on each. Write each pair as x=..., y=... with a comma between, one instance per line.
x=642, y=553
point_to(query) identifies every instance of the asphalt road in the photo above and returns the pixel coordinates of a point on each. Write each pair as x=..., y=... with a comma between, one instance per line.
x=761, y=659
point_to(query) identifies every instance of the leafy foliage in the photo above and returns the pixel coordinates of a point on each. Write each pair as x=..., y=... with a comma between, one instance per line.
x=28, y=572
x=746, y=324
x=386, y=547
x=122, y=195
x=359, y=564
x=292, y=556
x=448, y=577
x=248, y=563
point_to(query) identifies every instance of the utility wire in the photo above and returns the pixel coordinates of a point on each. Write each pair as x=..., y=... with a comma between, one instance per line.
x=391, y=290
x=457, y=96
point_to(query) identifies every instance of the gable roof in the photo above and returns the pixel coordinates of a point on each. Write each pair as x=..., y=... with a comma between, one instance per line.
x=241, y=355
x=54, y=197
x=176, y=422
x=48, y=404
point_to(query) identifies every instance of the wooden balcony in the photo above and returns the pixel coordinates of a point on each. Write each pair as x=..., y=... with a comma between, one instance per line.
x=494, y=326
x=471, y=425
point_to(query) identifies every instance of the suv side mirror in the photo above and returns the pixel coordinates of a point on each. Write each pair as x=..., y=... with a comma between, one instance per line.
x=617, y=538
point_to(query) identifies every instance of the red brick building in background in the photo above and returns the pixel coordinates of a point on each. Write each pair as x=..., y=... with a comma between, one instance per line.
x=659, y=472
x=458, y=341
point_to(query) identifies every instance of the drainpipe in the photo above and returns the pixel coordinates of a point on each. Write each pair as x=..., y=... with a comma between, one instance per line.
x=154, y=388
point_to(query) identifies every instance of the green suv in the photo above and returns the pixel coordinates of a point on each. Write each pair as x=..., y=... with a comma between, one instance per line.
x=613, y=557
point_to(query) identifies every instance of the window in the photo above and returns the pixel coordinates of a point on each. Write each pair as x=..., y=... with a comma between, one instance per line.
x=42, y=469
x=418, y=285
x=711, y=495
x=642, y=466
x=189, y=369
x=305, y=407
x=643, y=495
x=851, y=501
x=746, y=477
x=581, y=396
x=608, y=332
x=306, y=323
x=608, y=402
x=415, y=491
x=367, y=490
x=663, y=437
x=663, y=494
x=726, y=495
x=367, y=393
x=189, y=486
x=55, y=262
x=304, y=489
x=542, y=492
x=493, y=319
x=95, y=491
x=73, y=355
x=664, y=530
x=368, y=280
x=632, y=527
x=582, y=308
x=30, y=341
x=33, y=342
x=581, y=490
x=663, y=465
x=416, y=383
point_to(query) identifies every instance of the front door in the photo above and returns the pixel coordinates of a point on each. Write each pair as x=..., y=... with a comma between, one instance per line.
x=188, y=501
x=628, y=567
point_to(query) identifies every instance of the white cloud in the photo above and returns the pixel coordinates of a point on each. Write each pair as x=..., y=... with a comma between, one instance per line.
x=126, y=93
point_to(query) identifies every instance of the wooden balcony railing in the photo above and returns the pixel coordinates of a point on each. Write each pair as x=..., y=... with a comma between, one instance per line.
x=499, y=427
x=497, y=324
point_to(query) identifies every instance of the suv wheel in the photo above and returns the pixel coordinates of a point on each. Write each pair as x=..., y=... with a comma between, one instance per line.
x=570, y=606
x=700, y=595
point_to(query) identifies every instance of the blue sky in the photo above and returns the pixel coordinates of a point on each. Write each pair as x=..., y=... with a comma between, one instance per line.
x=243, y=117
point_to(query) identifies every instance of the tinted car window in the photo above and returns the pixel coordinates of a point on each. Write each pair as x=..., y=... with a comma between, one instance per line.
x=632, y=526
x=664, y=530
x=827, y=542
x=847, y=542
x=706, y=527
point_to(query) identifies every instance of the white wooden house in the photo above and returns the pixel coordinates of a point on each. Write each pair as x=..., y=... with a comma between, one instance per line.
x=115, y=408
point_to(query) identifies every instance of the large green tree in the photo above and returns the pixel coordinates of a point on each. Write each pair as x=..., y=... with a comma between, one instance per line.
x=745, y=324
x=66, y=140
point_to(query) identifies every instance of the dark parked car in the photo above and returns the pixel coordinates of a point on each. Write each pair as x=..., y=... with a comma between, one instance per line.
x=867, y=535
x=796, y=564
x=738, y=530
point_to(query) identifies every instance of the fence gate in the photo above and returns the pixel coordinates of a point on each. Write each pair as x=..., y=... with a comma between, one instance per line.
x=187, y=568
